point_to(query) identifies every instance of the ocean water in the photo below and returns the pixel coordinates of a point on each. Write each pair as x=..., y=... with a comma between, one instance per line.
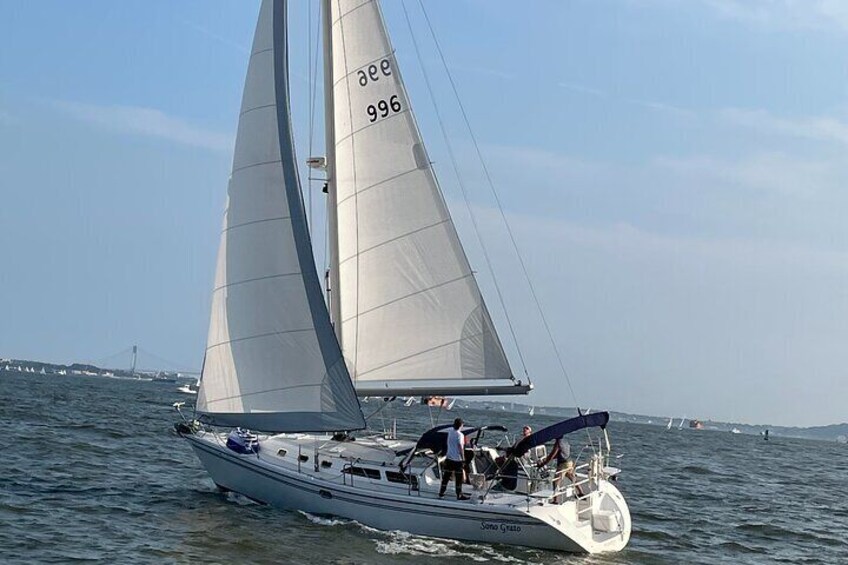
x=90, y=472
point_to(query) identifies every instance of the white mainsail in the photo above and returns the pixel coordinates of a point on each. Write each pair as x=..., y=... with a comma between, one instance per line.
x=410, y=307
x=272, y=360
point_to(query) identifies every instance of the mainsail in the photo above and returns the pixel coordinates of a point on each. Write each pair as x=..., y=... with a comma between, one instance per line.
x=410, y=307
x=272, y=360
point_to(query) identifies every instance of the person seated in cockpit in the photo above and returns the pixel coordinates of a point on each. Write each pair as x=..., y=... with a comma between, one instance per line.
x=535, y=454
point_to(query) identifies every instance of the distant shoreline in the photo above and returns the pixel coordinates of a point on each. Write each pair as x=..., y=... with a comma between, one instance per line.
x=832, y=432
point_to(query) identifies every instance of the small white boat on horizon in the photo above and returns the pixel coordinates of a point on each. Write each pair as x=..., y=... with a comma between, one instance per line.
x=190, y=388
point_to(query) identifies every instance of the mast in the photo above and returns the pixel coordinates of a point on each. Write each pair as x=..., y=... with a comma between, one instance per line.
x=335, y=306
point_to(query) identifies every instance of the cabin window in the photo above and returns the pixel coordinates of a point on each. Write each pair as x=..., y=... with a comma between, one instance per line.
x=281, y=452
x=363, y=472
x=326, y=464
x=395, y=477
x=303, y=458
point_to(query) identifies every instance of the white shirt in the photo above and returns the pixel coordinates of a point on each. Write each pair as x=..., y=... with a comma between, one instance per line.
x=456, y=444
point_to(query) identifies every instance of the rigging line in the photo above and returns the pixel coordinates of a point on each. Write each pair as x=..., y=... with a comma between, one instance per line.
x=498, y=201
x=379, y=409
x=465, y=193
x=313, y=94
x=311, y=104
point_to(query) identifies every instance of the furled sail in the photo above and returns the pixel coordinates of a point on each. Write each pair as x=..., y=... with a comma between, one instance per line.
x=411, y=309
x=272, y=360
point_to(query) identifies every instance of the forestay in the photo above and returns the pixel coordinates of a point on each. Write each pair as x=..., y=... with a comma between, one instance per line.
x=411, y=309
x=272, y=361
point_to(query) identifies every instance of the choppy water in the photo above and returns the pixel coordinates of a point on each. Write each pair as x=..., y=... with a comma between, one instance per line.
x=91, y=472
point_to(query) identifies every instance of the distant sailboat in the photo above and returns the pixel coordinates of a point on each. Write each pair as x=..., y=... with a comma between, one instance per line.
x=404, y=317
x=682, y=421
x=670, y=422
x=532, y=411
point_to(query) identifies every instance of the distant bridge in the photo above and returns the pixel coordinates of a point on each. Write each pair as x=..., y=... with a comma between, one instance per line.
x=135, y=358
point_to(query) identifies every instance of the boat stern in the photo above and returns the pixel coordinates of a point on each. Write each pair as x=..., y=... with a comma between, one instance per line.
x=598, y=522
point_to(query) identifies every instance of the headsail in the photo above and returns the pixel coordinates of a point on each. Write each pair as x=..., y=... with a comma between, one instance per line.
x=411, y=309
x=272, y=361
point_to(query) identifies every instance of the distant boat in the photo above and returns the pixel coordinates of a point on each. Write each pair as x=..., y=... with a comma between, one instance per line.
x=190, y=388
x=532, y=411
x=670, y=422
x=696, y=424
x=682, y=420
x=736, y=431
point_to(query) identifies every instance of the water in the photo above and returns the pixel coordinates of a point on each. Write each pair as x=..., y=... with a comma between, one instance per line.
x=90, y=472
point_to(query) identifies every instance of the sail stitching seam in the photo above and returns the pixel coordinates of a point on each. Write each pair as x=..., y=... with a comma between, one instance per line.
x=260, y=335
x=261, y=51
x=281, y=275
x=337, y=20
x=260, y=392
x=413, y=232
x=256, y=165
x=401, y=298
x=421, y=353
x=376, y=184
x=229, y=228
x=272, y=105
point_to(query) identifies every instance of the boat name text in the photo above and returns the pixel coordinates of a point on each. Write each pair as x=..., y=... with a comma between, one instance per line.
x=500, y=526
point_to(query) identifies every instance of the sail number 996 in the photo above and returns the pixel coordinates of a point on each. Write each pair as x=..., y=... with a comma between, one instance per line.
x=373, y=72
x=383, y=108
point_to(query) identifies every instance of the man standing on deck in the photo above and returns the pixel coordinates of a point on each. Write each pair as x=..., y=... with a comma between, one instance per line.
x=565, y=466
x=452, y=465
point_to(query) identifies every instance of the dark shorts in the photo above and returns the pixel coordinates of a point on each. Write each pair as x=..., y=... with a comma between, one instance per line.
x=451, y=465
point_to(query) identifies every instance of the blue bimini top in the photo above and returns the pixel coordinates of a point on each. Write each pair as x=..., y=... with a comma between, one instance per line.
x=543, y=436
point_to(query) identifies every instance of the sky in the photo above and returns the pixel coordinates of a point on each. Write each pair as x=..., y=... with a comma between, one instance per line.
x=674, y=174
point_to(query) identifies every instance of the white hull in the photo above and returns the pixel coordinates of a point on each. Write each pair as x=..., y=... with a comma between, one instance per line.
x=501, y=518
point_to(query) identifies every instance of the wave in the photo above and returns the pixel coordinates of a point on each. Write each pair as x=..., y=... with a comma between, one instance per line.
x=325, y=521
x=403, y=543
x=773, y=532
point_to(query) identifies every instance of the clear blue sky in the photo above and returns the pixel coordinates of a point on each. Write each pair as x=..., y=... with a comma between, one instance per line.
x=675, y=174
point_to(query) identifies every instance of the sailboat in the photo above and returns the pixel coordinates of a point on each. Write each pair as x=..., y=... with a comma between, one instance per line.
x=403, y=317
x=670, y=421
